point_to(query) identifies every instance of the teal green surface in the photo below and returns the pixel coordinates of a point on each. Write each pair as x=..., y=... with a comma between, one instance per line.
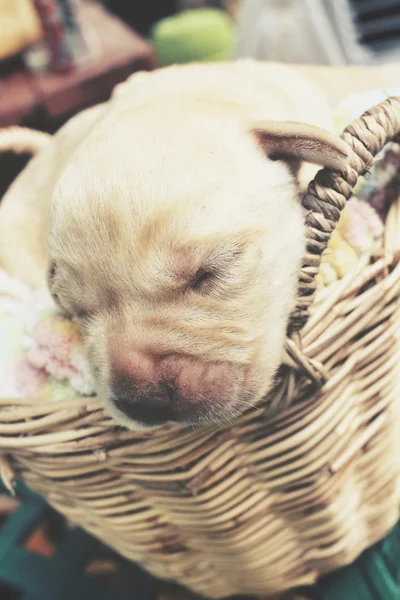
x=200, y=35
x=374, y=576
x=60, y=577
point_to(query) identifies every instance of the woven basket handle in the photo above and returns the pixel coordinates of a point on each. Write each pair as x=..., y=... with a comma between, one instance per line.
x=329, y=191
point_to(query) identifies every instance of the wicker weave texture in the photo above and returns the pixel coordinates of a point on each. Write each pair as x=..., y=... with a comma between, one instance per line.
x=270, y=503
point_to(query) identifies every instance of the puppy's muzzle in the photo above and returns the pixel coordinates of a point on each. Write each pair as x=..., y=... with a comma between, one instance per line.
x=151, y=390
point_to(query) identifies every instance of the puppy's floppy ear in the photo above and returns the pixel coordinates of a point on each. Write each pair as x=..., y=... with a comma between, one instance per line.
x=290, y=140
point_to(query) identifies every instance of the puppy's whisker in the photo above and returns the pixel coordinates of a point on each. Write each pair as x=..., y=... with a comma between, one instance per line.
x=249, y=404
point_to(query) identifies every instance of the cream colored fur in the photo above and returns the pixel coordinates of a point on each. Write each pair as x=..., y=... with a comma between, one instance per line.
x=171, y=177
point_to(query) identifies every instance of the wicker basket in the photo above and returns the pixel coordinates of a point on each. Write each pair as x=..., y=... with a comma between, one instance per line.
x=273, y=502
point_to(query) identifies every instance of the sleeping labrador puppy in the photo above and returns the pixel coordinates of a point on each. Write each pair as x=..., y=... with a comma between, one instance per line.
x=176, y=233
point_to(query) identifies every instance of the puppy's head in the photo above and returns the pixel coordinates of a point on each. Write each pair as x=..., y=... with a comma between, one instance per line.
x=178, y=251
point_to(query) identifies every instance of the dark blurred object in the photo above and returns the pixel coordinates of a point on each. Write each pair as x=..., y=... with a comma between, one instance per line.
x=121, y=52
x=377, y=24
x=68, y=37
x=55, y=35
x=193, y=4
x=142, y=15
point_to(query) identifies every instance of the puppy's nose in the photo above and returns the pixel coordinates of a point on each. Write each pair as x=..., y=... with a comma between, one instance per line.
x=137, y=393
x=152, y=408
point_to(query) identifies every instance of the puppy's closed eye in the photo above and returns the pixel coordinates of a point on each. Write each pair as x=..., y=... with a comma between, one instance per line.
x=217, y=270
x=203, y=280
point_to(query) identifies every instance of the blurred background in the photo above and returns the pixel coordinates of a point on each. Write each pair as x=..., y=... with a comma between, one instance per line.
x=58, y=57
